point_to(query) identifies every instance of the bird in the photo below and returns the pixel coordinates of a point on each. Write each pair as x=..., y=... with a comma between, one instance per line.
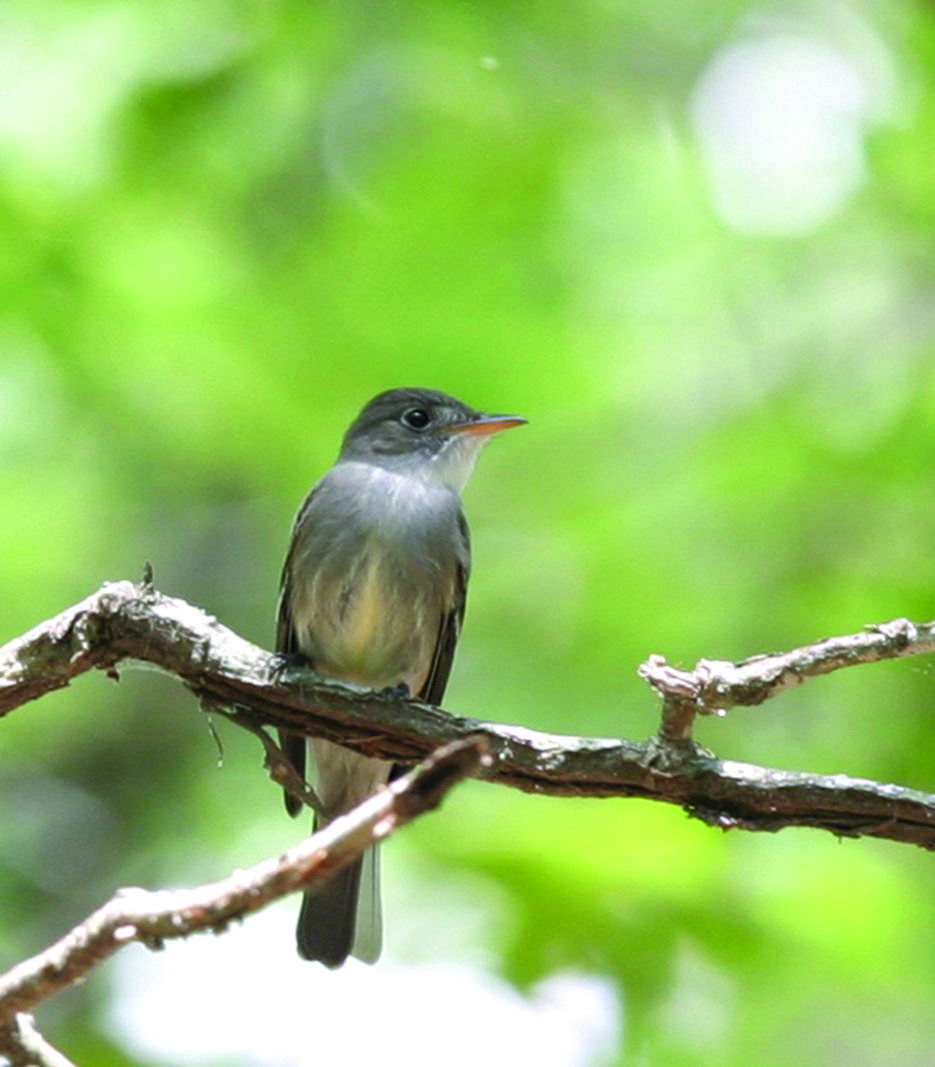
x=373, y=592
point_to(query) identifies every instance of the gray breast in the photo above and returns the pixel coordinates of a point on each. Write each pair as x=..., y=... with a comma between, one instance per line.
x=375, y=571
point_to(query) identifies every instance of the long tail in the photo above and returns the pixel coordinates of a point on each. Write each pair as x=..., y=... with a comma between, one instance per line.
x=342, y=917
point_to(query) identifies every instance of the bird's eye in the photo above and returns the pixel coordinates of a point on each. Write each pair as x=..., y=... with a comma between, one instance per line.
x=416, y=418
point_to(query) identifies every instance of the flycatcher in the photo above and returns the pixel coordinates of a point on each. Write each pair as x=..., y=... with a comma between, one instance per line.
x=372, y=592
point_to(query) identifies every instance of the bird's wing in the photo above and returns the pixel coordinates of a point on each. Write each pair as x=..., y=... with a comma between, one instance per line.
x=449, y=629
x=292, y=745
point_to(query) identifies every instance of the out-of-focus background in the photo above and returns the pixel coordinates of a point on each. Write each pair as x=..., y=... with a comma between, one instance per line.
x=695, y=245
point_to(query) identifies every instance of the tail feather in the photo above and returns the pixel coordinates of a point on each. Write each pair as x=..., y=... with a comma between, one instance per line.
x=368, y=935
x=342, y=917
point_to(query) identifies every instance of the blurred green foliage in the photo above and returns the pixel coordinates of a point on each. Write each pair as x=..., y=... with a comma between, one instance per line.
x=228, y=224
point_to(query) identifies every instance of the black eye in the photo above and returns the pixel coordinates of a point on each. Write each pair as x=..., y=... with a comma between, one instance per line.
x=416, y=418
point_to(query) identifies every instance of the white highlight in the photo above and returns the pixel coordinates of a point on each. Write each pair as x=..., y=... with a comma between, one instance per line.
x=781, y=119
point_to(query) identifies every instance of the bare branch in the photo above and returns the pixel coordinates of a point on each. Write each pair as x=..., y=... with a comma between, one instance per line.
x=715, y=685
x=24, y=1046
x=123, y=622
x=154, y=917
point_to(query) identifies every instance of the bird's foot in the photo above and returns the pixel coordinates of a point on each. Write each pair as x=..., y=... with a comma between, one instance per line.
x=289, y=661
x=395, y=692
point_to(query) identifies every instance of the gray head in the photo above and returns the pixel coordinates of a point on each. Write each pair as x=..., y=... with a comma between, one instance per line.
x=422, y=434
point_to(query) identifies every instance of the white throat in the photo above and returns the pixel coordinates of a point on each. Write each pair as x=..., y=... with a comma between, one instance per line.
x=450, y=467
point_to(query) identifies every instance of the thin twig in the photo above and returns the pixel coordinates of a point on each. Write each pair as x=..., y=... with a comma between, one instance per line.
x=23, y=1045
x=276, y=762
x=716, y=685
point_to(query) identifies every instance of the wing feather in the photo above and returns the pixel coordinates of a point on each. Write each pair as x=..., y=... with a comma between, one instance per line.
x=292, y=745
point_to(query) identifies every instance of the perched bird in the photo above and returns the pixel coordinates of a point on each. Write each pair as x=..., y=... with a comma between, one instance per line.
x=372, y=592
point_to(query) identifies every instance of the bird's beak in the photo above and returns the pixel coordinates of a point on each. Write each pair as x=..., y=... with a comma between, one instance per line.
x=485, y=425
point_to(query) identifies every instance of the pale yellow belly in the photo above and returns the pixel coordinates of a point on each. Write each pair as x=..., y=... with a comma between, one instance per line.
x=371, y=627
